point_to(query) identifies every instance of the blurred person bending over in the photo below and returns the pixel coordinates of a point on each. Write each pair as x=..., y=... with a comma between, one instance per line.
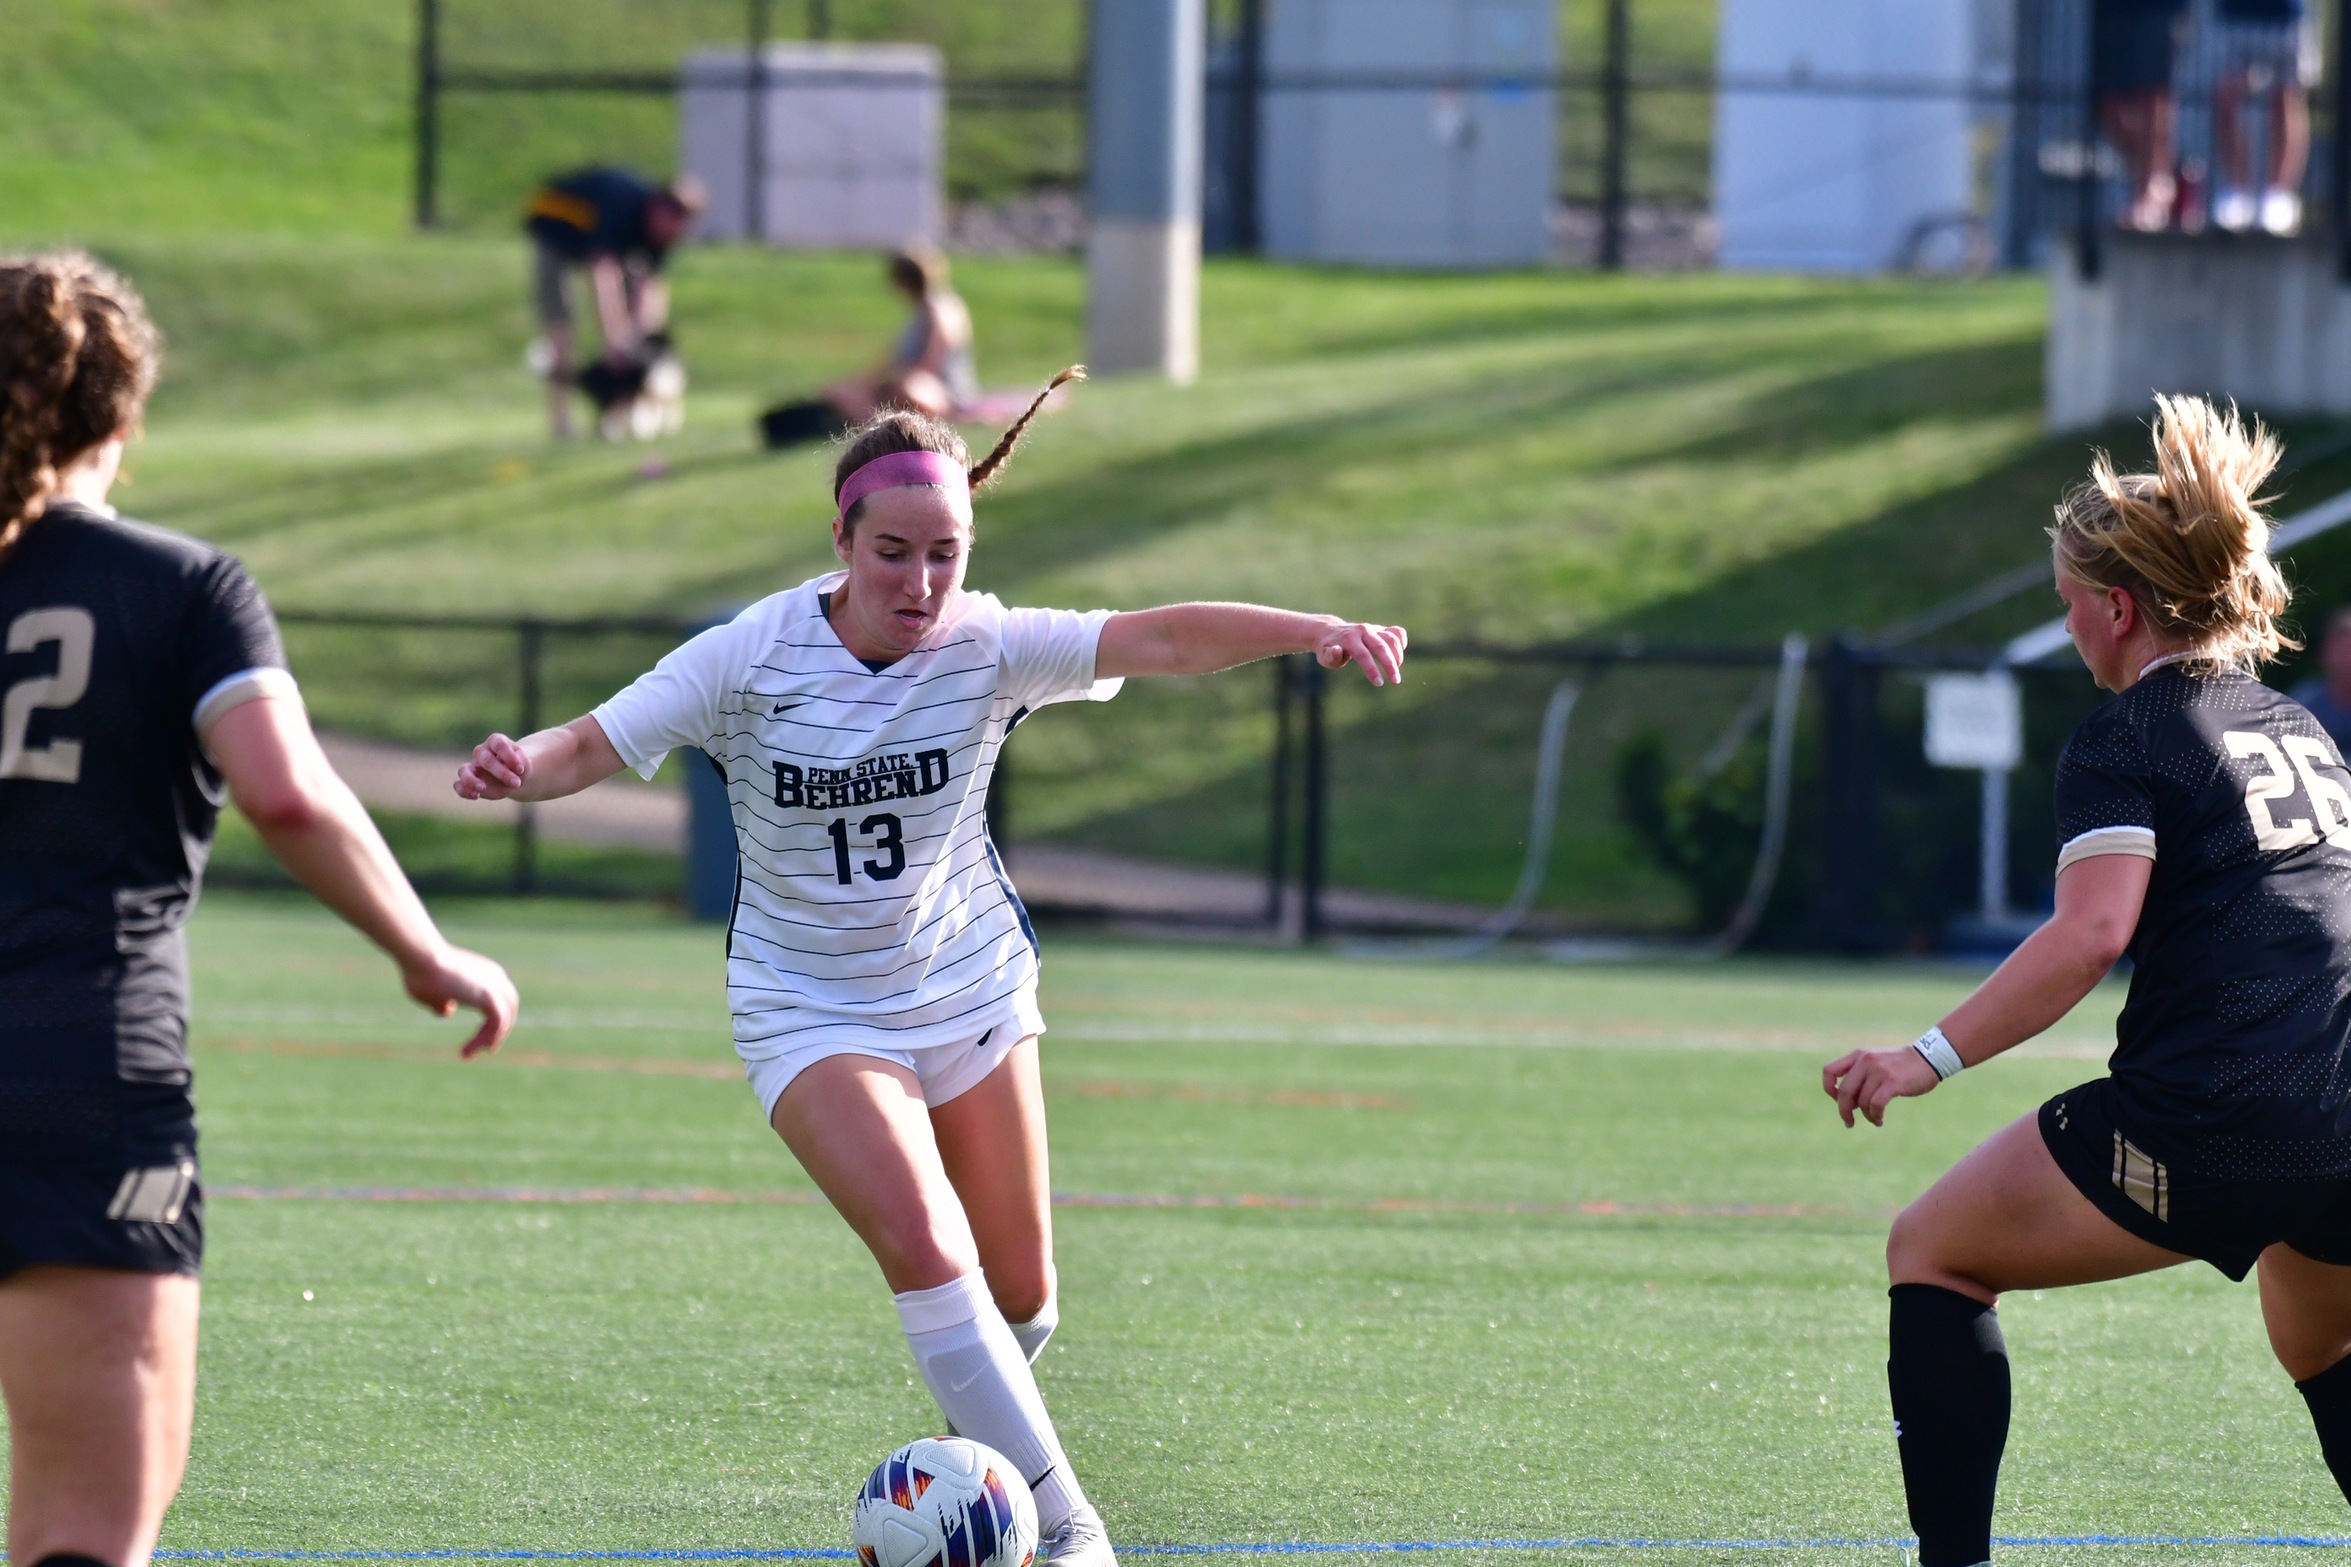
x=2268, y=51
x=144, y=681
x=2133, y=43
x=619, y=229
x=2328, y=693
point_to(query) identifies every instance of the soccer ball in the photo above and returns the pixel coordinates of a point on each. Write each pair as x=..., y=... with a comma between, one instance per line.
x=945, y=1502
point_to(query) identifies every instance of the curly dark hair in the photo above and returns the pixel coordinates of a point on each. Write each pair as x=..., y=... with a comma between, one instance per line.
x=77, y=360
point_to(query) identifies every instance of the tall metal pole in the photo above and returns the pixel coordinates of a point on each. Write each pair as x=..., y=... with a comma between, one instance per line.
x=1615, y=89
x=428, y=113
x=1277, y=827
x=1249, y=90
x=755, y=124
x=1144, y=110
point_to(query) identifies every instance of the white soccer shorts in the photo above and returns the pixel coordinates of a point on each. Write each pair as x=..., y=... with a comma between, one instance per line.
x=945, y=1071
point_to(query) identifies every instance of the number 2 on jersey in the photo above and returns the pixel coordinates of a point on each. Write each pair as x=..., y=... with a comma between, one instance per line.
x=2329, y=800
x=890, y=840
x=76, y=634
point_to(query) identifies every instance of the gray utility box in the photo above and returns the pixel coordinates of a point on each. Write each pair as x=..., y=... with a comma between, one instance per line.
x=1409, y=133
x=849, y=149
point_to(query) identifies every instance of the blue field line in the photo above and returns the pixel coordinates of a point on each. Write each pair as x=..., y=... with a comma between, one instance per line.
x=1291, y=1548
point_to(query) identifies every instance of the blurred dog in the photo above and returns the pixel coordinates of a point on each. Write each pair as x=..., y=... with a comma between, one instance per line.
x=641, y=398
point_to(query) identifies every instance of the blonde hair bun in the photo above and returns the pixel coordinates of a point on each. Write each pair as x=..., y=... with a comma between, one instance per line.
x=2189, y=541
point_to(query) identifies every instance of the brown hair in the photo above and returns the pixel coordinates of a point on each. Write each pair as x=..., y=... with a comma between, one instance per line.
x=2188, y=541
x=917, y=270
x=77, y=360
x=903, y=430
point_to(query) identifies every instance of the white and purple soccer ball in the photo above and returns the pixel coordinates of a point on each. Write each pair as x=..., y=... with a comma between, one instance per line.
x=945, y=1502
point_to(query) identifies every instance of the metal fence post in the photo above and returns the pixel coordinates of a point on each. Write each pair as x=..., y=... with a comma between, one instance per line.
x=2088, y=242
x=1277, y=827
x=532, y=640
x=1249, y=93
x=1849, y=678
x=1318, y=789
x=820, y=19
x=428, y=113
x=755, y=125
x=1615, y=87
x=2339, y=144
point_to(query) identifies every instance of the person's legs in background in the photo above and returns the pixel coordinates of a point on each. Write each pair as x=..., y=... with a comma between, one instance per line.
x=551, y=296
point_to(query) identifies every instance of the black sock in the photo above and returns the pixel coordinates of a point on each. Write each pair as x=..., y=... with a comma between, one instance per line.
x=1947, y=1367
x=61, y=1559
x=2329, y=1396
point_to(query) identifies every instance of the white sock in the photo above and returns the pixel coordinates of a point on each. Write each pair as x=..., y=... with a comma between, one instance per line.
x=974, y=1368
x=1033, y=1333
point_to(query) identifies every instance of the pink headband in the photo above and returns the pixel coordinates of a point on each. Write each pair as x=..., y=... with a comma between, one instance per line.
x=900, y=469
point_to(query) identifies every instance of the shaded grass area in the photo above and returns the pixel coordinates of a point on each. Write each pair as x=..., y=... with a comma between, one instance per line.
x=1407, y=1362
x=455, y=857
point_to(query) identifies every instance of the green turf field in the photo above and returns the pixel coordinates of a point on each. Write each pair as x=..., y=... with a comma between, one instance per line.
x=1352, y=1252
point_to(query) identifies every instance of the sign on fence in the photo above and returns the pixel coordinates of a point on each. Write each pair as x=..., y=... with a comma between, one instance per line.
x=1974, y=721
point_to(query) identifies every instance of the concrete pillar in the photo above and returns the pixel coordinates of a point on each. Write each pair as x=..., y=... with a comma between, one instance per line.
x=1144, y=102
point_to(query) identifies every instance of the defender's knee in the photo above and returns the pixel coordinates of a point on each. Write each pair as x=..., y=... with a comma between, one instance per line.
x=918, y=1253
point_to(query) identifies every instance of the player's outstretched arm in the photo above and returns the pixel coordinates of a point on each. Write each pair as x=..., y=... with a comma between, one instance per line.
x=2098, y=904
x=543, y=766
x=1200, y=639
x=317, y=828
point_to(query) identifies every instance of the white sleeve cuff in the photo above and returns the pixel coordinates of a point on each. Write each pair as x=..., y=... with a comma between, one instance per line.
x=246, y=685
x=632, y=756
x=2139, y=841
x=1100, y=690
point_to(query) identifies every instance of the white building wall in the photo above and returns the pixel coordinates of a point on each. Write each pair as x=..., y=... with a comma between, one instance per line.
x=1412, y=176
x=1839, y=179
x=853, y=140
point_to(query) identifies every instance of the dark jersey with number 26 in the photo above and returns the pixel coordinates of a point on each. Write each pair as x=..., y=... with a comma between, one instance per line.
x=112, y=636
x=2230, y=1053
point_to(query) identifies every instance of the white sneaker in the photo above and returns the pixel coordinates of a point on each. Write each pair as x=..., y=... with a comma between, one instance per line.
x=2235, y=210
x=1081, y=1541
x=2281, y=212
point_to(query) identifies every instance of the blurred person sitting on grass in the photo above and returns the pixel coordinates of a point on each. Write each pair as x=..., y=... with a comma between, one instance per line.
x=929, y=369
x=145, y=685
x=618, y=228
x=2328, y=693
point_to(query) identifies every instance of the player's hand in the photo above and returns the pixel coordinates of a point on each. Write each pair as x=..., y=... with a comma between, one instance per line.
x=1870, y=1080
x=495, y=772
x=1376, y=650
x=453, y=978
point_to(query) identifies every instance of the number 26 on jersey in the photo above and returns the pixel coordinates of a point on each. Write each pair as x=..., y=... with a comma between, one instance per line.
x=2276, y=782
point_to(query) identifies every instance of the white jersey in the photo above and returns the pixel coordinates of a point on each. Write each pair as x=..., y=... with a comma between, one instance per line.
x=870, y=904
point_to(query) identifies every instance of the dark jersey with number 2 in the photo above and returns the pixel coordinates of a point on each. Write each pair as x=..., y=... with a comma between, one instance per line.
x=2230, y=1053
x=112, y=634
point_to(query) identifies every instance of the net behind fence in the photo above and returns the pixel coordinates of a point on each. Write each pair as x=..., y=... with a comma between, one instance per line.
x=1280, y=797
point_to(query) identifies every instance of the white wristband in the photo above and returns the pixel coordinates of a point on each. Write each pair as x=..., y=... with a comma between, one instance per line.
x=1939, y=1054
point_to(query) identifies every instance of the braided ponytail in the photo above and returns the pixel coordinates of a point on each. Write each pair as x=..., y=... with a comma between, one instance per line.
x=77, y=360
x=2189, y=541
x=902, y=430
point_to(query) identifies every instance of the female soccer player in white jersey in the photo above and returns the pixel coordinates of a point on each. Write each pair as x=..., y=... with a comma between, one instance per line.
x=2204, y=826
x=140, y=674
x=881, y=970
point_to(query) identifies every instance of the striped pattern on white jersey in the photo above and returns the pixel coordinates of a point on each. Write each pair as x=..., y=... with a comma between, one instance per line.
x=870, y=904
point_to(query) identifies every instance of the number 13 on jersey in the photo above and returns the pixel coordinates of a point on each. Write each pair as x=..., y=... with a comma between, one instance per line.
x=2330, y=802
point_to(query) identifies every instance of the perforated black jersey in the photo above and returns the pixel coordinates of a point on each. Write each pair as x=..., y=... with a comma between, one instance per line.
x=2230, y=1052
x=117, y=640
